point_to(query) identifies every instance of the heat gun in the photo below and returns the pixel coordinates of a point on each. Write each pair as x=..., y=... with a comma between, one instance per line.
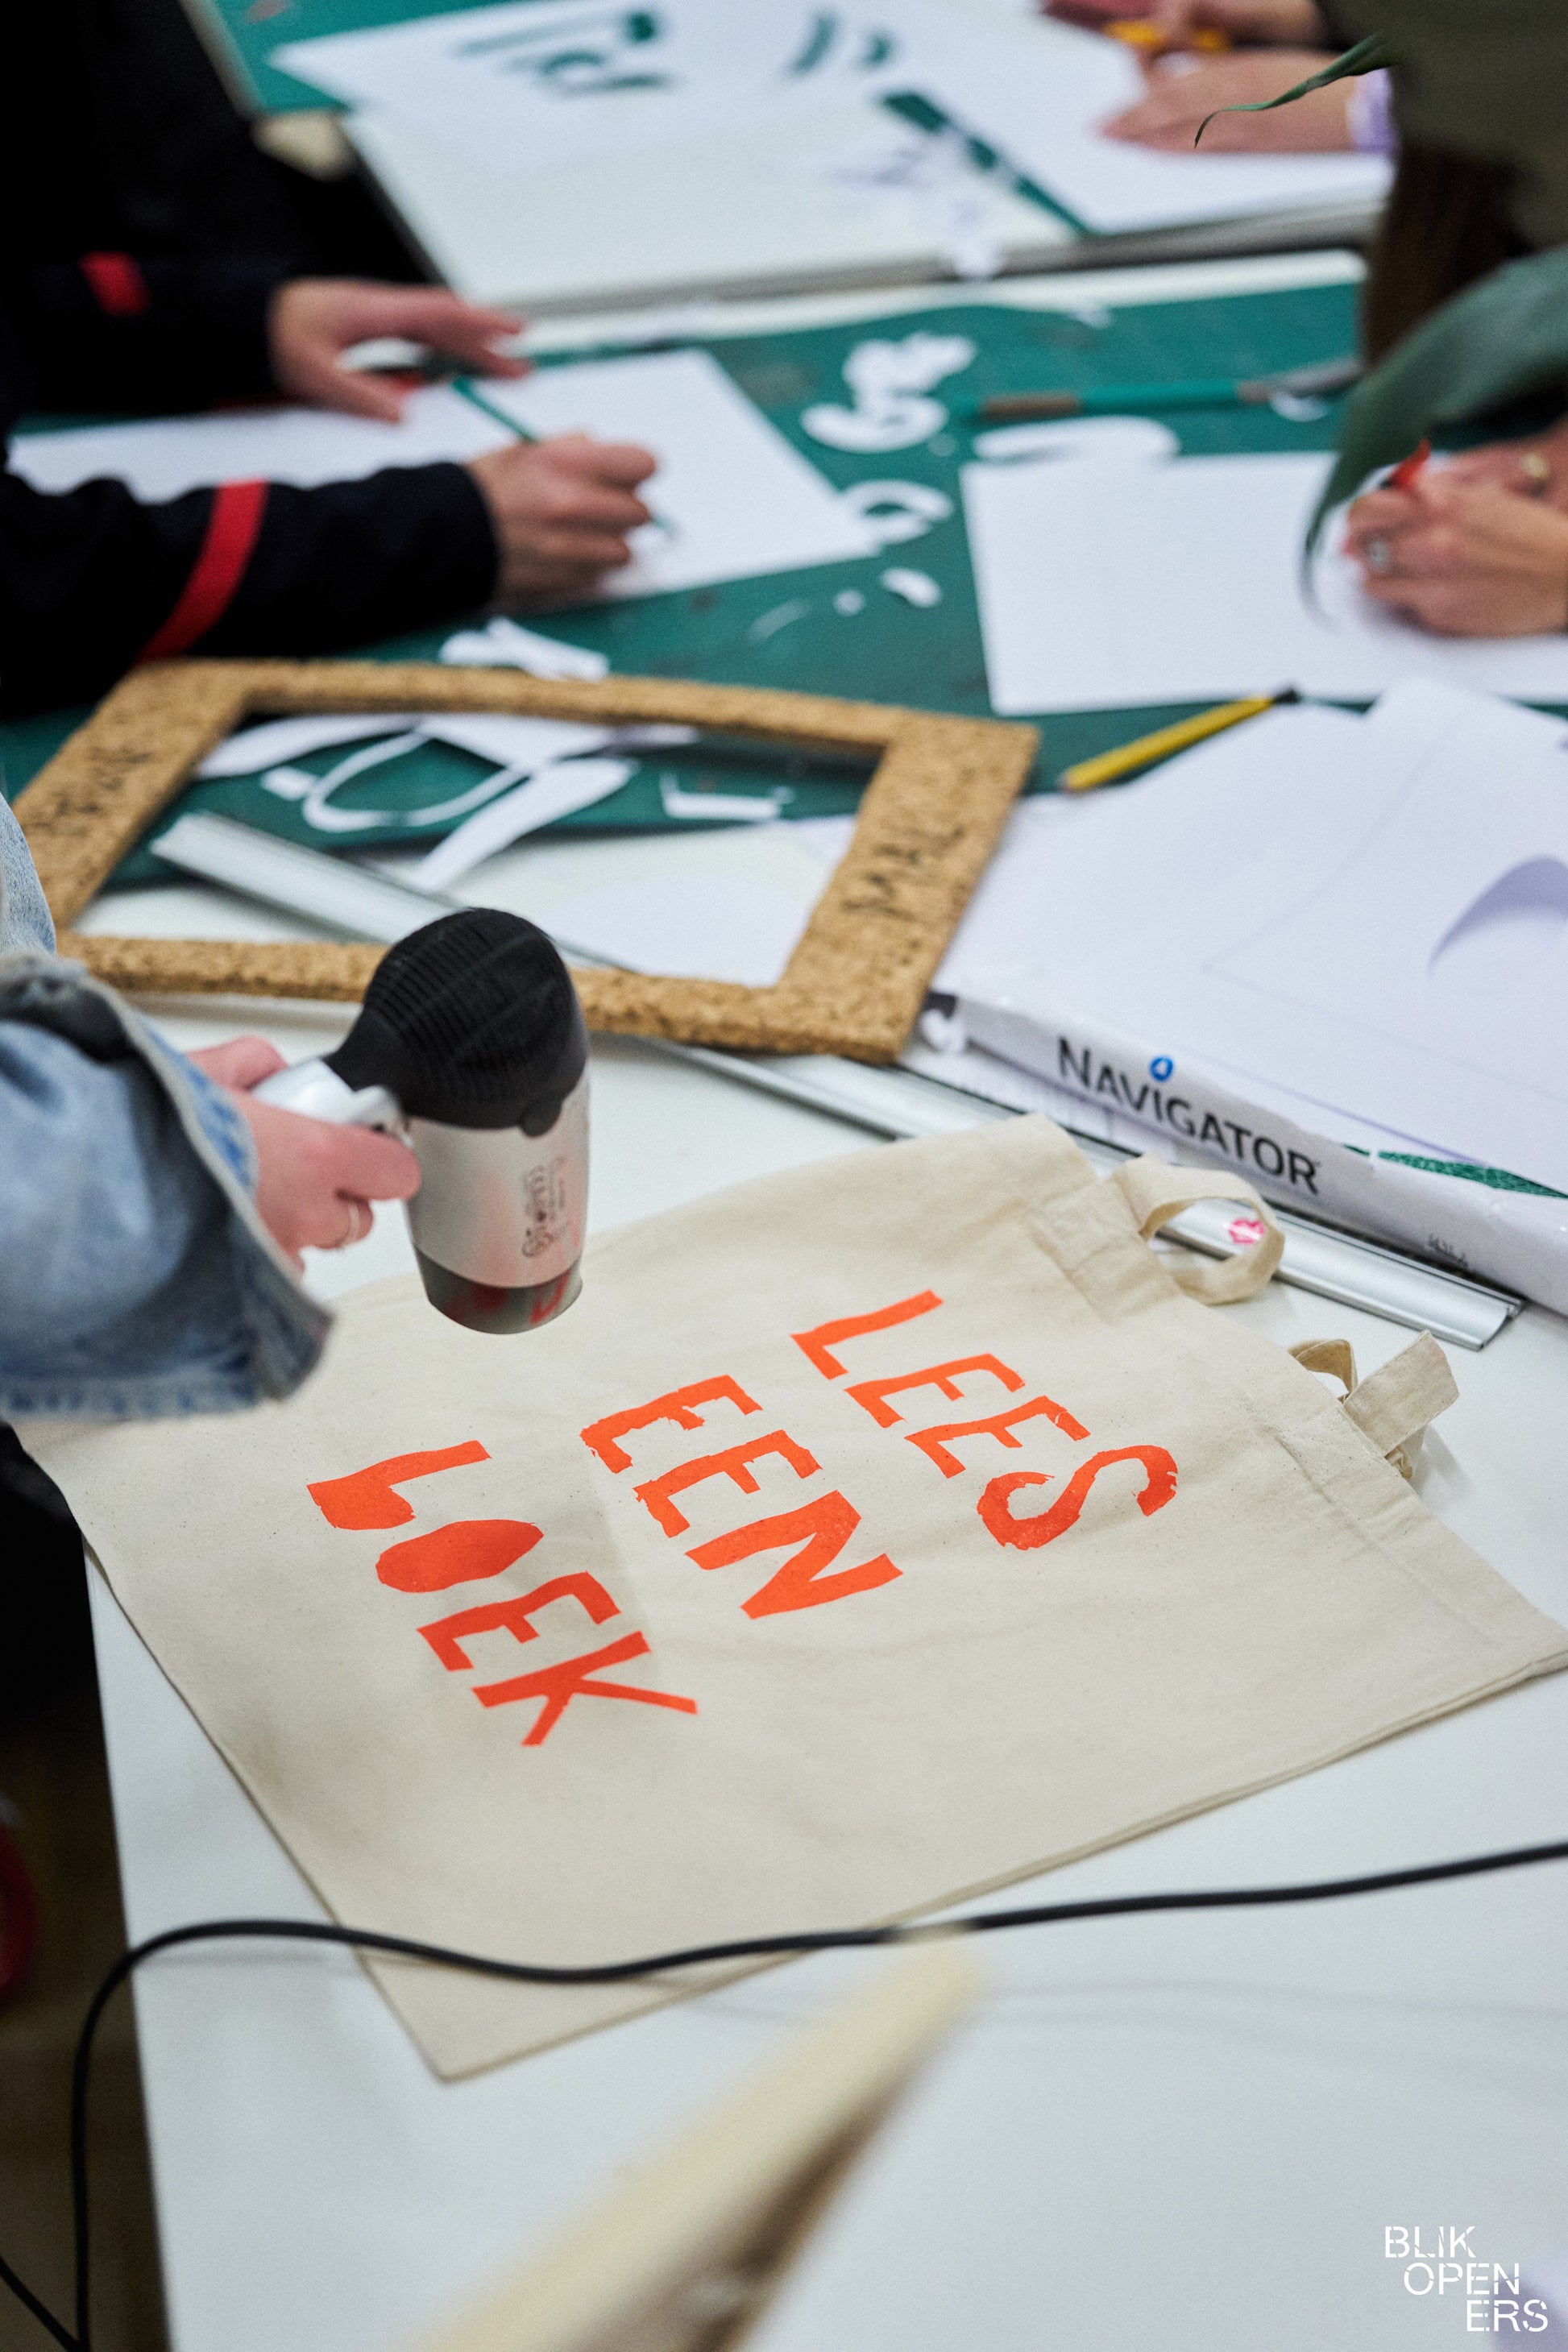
x=470, y=1045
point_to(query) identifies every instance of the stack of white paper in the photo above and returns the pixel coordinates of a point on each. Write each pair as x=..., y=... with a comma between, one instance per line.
x=1364, y=921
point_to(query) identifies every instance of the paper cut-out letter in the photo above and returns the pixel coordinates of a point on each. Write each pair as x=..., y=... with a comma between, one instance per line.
x=934, y=1441
x=603, y=1437
x=460, y=1554
x=731, y=1464
x=1028, y=1534
x=365, y=1498
x=822, y=1529
x=559, y=1685
x=447, y=1636
x=872, y=1396
x=817, y=1345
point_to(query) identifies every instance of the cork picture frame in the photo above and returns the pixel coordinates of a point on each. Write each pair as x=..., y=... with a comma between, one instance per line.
x=933, y=813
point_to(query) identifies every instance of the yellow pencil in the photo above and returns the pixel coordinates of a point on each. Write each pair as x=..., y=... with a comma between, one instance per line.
x=1138, y=33
x=1110, y=765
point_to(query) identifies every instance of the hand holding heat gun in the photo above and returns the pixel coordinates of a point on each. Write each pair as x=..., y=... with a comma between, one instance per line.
x=470, y=1043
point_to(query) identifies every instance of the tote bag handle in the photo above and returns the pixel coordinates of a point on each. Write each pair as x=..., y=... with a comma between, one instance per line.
x=1392, y=1405
x=1155, y=1193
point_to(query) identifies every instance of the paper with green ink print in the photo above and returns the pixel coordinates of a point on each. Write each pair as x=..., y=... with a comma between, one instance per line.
x=548, y=81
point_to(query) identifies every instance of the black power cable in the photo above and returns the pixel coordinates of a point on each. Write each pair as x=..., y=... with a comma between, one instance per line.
x=753, y=1947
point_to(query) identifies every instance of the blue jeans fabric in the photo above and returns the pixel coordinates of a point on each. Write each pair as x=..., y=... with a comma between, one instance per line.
x=136, y=1280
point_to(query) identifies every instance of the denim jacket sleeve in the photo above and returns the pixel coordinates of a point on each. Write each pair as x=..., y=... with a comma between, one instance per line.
x=136, y=1279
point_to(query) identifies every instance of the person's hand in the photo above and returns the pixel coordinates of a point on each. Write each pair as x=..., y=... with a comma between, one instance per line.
x=1175, y=102
x=1463, y=560
x=314, y=1182
x=1536, y=468
x=240, y=1063
x=313, y=320
x=1273, y=23
x=560, y=511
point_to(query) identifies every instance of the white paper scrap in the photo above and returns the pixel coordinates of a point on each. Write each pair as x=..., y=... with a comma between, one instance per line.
x=897, y=512
x=721, y=808
x=1102, y=587
x=554, y=792
x=890, y=384
x=1107, y=440
x=504, y=644
x=280, y=740
x=916, y=588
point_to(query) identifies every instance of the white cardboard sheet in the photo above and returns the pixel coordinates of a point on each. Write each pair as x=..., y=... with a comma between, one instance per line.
x=1102, y=586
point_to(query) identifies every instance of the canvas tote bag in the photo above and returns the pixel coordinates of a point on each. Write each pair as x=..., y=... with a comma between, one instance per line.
x=863, y=1539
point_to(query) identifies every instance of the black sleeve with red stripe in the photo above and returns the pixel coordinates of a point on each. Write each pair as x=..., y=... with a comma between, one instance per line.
x=114, y=333
x=92, y=580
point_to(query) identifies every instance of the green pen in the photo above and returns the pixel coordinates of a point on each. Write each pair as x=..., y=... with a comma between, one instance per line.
x=1316, y=383
x=467, y=389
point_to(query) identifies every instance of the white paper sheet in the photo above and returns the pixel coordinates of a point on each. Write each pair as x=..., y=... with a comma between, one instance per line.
x=1102, y=587
x=303, y=446
x=1121, y=886
x=1426, y=976
x=1038, y=93
x=711, y=905
x=734, y=498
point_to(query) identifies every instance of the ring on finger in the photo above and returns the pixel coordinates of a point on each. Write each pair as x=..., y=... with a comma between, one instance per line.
x=1379, y=556
x=361, y=1219
x=1536, y=472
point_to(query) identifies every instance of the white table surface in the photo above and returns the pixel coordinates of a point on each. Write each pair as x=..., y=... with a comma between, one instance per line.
x=1185, y=2133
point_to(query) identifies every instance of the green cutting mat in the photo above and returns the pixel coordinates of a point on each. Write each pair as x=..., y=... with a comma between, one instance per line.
x=786, y=630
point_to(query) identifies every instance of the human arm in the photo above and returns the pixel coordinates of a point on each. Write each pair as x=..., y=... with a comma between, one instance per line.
x=132, y=1283
x=148, y=1212
x=1463, y=560
x=92, y=580
x=114, y=331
